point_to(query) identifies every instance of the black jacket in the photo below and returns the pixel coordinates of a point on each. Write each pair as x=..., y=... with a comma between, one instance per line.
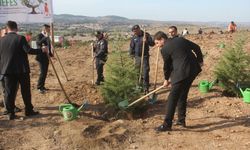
x=181, y=58
x=13, y=54
x=101, y=49
x=42, y=40
x=136, y=44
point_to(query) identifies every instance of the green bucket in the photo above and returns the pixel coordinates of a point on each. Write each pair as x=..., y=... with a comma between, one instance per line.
x=246, y=96
x=204, y=86
x=68, y=111
x=222, y=45
x=123, y=104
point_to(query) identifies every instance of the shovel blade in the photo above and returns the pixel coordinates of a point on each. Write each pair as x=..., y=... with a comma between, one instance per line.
x=152, y=99
x=123, y=104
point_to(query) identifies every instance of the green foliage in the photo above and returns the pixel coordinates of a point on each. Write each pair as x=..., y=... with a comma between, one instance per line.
x=120, y=79
x=234, y=66
x=66, y=43
x=57, y=45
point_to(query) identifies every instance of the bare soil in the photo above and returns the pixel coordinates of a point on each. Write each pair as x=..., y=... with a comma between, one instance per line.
x=213, y=121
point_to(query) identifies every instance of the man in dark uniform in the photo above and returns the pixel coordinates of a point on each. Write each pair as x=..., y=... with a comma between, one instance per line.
x=14, y=69
x=43, y=39
x=100, y=48
x=182, y=60
x=136, y=45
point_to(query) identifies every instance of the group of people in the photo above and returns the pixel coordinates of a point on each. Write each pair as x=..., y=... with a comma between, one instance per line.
x=15, y=70
x=182, y=63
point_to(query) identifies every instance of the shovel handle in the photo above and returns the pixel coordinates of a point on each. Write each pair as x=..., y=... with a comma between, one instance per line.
x=142, y=56
x=152, y=92
x=93, y=64
x=59, y=81
x=59, y=60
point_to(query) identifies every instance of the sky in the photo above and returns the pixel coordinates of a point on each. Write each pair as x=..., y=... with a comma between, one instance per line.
x=162, y=10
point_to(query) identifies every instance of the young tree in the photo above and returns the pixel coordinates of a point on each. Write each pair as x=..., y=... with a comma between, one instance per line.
x=121, y=79
x=234, y=67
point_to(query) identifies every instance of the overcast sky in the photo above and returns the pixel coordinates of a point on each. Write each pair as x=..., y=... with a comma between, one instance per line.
x=164, y=10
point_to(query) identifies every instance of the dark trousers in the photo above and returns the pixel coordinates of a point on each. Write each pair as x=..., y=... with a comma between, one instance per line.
x=145, y=69
x=43, y=65
x=99, y=68
x=178, y=97
x=11, y=86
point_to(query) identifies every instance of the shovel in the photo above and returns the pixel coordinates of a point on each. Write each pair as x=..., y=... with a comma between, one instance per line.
x=93, y=66
x=142, y=56
x=64, y=92
x=153, y=98
x=125, y=104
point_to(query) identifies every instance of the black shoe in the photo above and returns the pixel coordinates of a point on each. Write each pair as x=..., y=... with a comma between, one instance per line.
x=102, y=80
x=45, y=89
x=16, y=109
x=31, y=113
x=42, y=91
x=97, y=83
x=164, y=127
x=11, y=116
x=181, y=123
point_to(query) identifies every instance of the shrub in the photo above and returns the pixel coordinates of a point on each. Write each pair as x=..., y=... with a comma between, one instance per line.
x=121, y=79
x=233, y=67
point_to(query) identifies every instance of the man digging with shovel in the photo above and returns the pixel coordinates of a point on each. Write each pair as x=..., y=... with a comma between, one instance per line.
x=182, y=60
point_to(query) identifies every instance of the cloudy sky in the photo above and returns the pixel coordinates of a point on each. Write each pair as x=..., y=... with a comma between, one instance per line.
x=164, y=10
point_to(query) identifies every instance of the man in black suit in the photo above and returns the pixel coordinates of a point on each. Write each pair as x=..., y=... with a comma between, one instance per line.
x=3, y=33
x=14, y=69
x=43, y=39
x=182, y=60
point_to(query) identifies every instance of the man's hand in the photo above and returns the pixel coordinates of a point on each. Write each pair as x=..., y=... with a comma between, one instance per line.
x=166, y=83
x=45, y=49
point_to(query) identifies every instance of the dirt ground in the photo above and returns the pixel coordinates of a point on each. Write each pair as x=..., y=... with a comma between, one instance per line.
x=213, y=121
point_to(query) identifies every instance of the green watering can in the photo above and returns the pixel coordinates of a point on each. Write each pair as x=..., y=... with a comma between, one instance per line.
x=205, y=86
x=246, y=95
x=222, y=45
x=69, y=111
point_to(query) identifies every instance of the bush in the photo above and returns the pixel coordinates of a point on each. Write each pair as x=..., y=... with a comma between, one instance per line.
x=233, y=67
x=66, y=43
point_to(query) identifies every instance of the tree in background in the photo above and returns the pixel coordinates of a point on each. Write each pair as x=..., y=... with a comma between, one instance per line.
x=234, y=67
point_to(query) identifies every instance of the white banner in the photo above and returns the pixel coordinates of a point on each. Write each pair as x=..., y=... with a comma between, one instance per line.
x=26, y=11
